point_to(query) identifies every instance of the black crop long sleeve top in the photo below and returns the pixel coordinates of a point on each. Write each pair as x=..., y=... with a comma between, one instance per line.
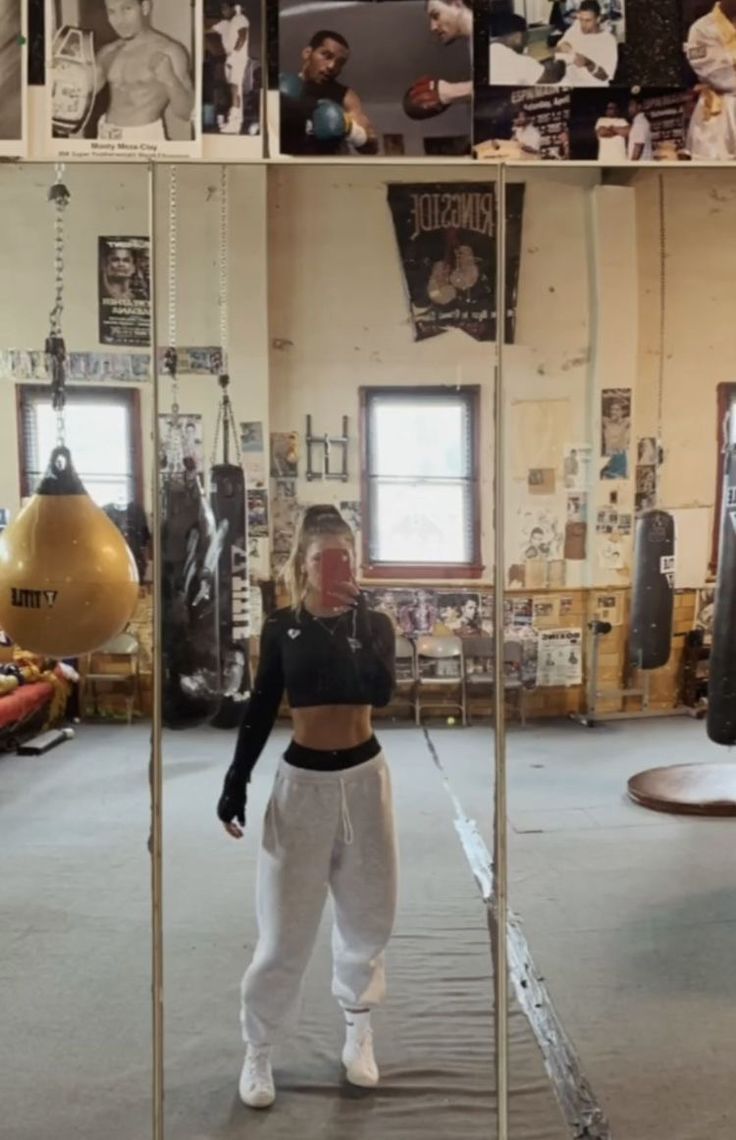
x=343, y=660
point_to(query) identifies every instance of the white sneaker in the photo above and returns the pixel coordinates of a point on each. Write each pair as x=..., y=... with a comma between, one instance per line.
x=256, y=1080
x=357, y=1055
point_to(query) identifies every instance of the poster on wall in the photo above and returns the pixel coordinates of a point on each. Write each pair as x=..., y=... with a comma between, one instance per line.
x=13, y=71
x=231, y=72
x=519, y=124
x=459, y=614
x=4, y=518
x=252, y=453
x=22, y=364
x=284, y=454
x=615, y=432
x=615, y=125
x=537, y=43
x=257, y=513
x=353, y=78
x=560, y=658
x=124, y=283
x=446, y=234
x=123, y=80
x=181, y=443
x=709, y=52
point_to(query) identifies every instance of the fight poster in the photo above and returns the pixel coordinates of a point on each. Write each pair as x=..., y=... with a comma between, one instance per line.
x=447, y=239
x=124, y=291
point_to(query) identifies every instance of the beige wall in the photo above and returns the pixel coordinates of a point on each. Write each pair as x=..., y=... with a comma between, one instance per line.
x=198, y=285
x=699, y=336
x=339, y=316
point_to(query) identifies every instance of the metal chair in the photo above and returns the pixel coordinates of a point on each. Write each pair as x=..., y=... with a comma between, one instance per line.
x=406, y=671
x=122, y=651
x=481, y=651
x=440, y=664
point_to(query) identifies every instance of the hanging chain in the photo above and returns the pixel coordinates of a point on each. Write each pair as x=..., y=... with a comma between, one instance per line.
x=225, y=416
x=174, y=441
x=56, y=362
x=662, y=304
x=224, y=268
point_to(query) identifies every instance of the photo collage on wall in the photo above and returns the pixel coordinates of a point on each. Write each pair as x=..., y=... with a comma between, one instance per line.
x=613, y=81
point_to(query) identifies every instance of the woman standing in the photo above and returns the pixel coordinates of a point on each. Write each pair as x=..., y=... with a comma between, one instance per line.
x=328, y=826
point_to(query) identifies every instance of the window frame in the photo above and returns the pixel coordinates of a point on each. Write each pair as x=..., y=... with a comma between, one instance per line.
x=428, y=571
x=25, y=394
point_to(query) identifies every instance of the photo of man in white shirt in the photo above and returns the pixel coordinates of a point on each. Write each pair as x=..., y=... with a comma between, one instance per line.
x=639, y=143
x=612, y=131
x=589, y=51
x=234, y=31
x=526, y=136
x=509, y=65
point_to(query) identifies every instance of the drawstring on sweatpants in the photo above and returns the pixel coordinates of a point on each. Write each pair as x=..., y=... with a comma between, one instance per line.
x=347, y=826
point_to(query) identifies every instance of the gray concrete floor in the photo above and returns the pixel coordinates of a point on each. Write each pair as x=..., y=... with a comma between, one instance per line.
x=630, y=916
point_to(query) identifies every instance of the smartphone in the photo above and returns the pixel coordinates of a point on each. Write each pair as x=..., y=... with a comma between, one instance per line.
x=336, y=572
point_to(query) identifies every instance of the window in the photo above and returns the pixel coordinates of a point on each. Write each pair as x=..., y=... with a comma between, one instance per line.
x=420, y=482
x=102, y=433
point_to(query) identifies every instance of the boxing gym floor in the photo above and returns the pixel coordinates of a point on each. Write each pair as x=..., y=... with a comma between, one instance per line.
x=629, y=917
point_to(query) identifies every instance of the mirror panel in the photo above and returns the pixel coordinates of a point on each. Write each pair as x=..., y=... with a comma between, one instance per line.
x=617, y=387
x=74, y=727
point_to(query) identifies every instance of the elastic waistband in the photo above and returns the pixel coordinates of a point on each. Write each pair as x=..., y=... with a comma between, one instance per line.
x=300, y=762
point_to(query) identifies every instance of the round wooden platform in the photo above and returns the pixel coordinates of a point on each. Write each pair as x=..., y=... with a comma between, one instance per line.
x=693, y=789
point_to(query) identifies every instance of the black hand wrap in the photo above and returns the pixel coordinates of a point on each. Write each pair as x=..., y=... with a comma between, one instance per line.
x=231, y=804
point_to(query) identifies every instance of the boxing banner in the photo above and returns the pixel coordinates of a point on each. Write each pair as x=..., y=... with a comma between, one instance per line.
x=447, y=239
x=124, y=276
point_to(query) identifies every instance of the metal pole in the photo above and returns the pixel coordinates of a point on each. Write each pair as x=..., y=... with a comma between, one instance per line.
x=500, y=833
x=155, y=842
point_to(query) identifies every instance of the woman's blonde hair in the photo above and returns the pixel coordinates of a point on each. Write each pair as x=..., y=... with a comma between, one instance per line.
x=316, y=521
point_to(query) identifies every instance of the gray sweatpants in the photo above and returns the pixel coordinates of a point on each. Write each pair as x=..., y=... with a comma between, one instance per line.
x=323, y=832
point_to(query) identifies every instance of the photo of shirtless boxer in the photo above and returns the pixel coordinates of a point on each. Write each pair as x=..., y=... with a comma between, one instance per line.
x=141, y=76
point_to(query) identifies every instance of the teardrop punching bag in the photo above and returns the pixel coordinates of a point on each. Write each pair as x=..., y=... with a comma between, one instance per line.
x=652, y=601
x=721, y=717
x=68, y=581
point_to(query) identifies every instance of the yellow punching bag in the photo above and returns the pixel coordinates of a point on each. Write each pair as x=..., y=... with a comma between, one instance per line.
x=68, y=581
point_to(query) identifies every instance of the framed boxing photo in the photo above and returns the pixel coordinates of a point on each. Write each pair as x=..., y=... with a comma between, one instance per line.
x=535, y=43
x=709, y=35
x=232, y=79
x=124, y=78
x=13, y=78
x=354, y=77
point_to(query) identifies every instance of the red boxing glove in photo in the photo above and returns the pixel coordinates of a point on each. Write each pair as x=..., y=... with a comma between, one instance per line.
x=422, y=100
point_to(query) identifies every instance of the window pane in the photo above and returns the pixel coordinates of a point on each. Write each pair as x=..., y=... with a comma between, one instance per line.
x=419, y=437
x=421, y=522
x=97, y=435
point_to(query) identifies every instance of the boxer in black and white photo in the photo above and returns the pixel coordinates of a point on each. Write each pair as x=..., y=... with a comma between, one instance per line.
x=145, y=73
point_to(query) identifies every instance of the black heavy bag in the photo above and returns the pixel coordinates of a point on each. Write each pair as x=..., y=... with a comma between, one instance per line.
x=652, y=601
x=190, y=552
x=721, y=722
x=229, y=507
